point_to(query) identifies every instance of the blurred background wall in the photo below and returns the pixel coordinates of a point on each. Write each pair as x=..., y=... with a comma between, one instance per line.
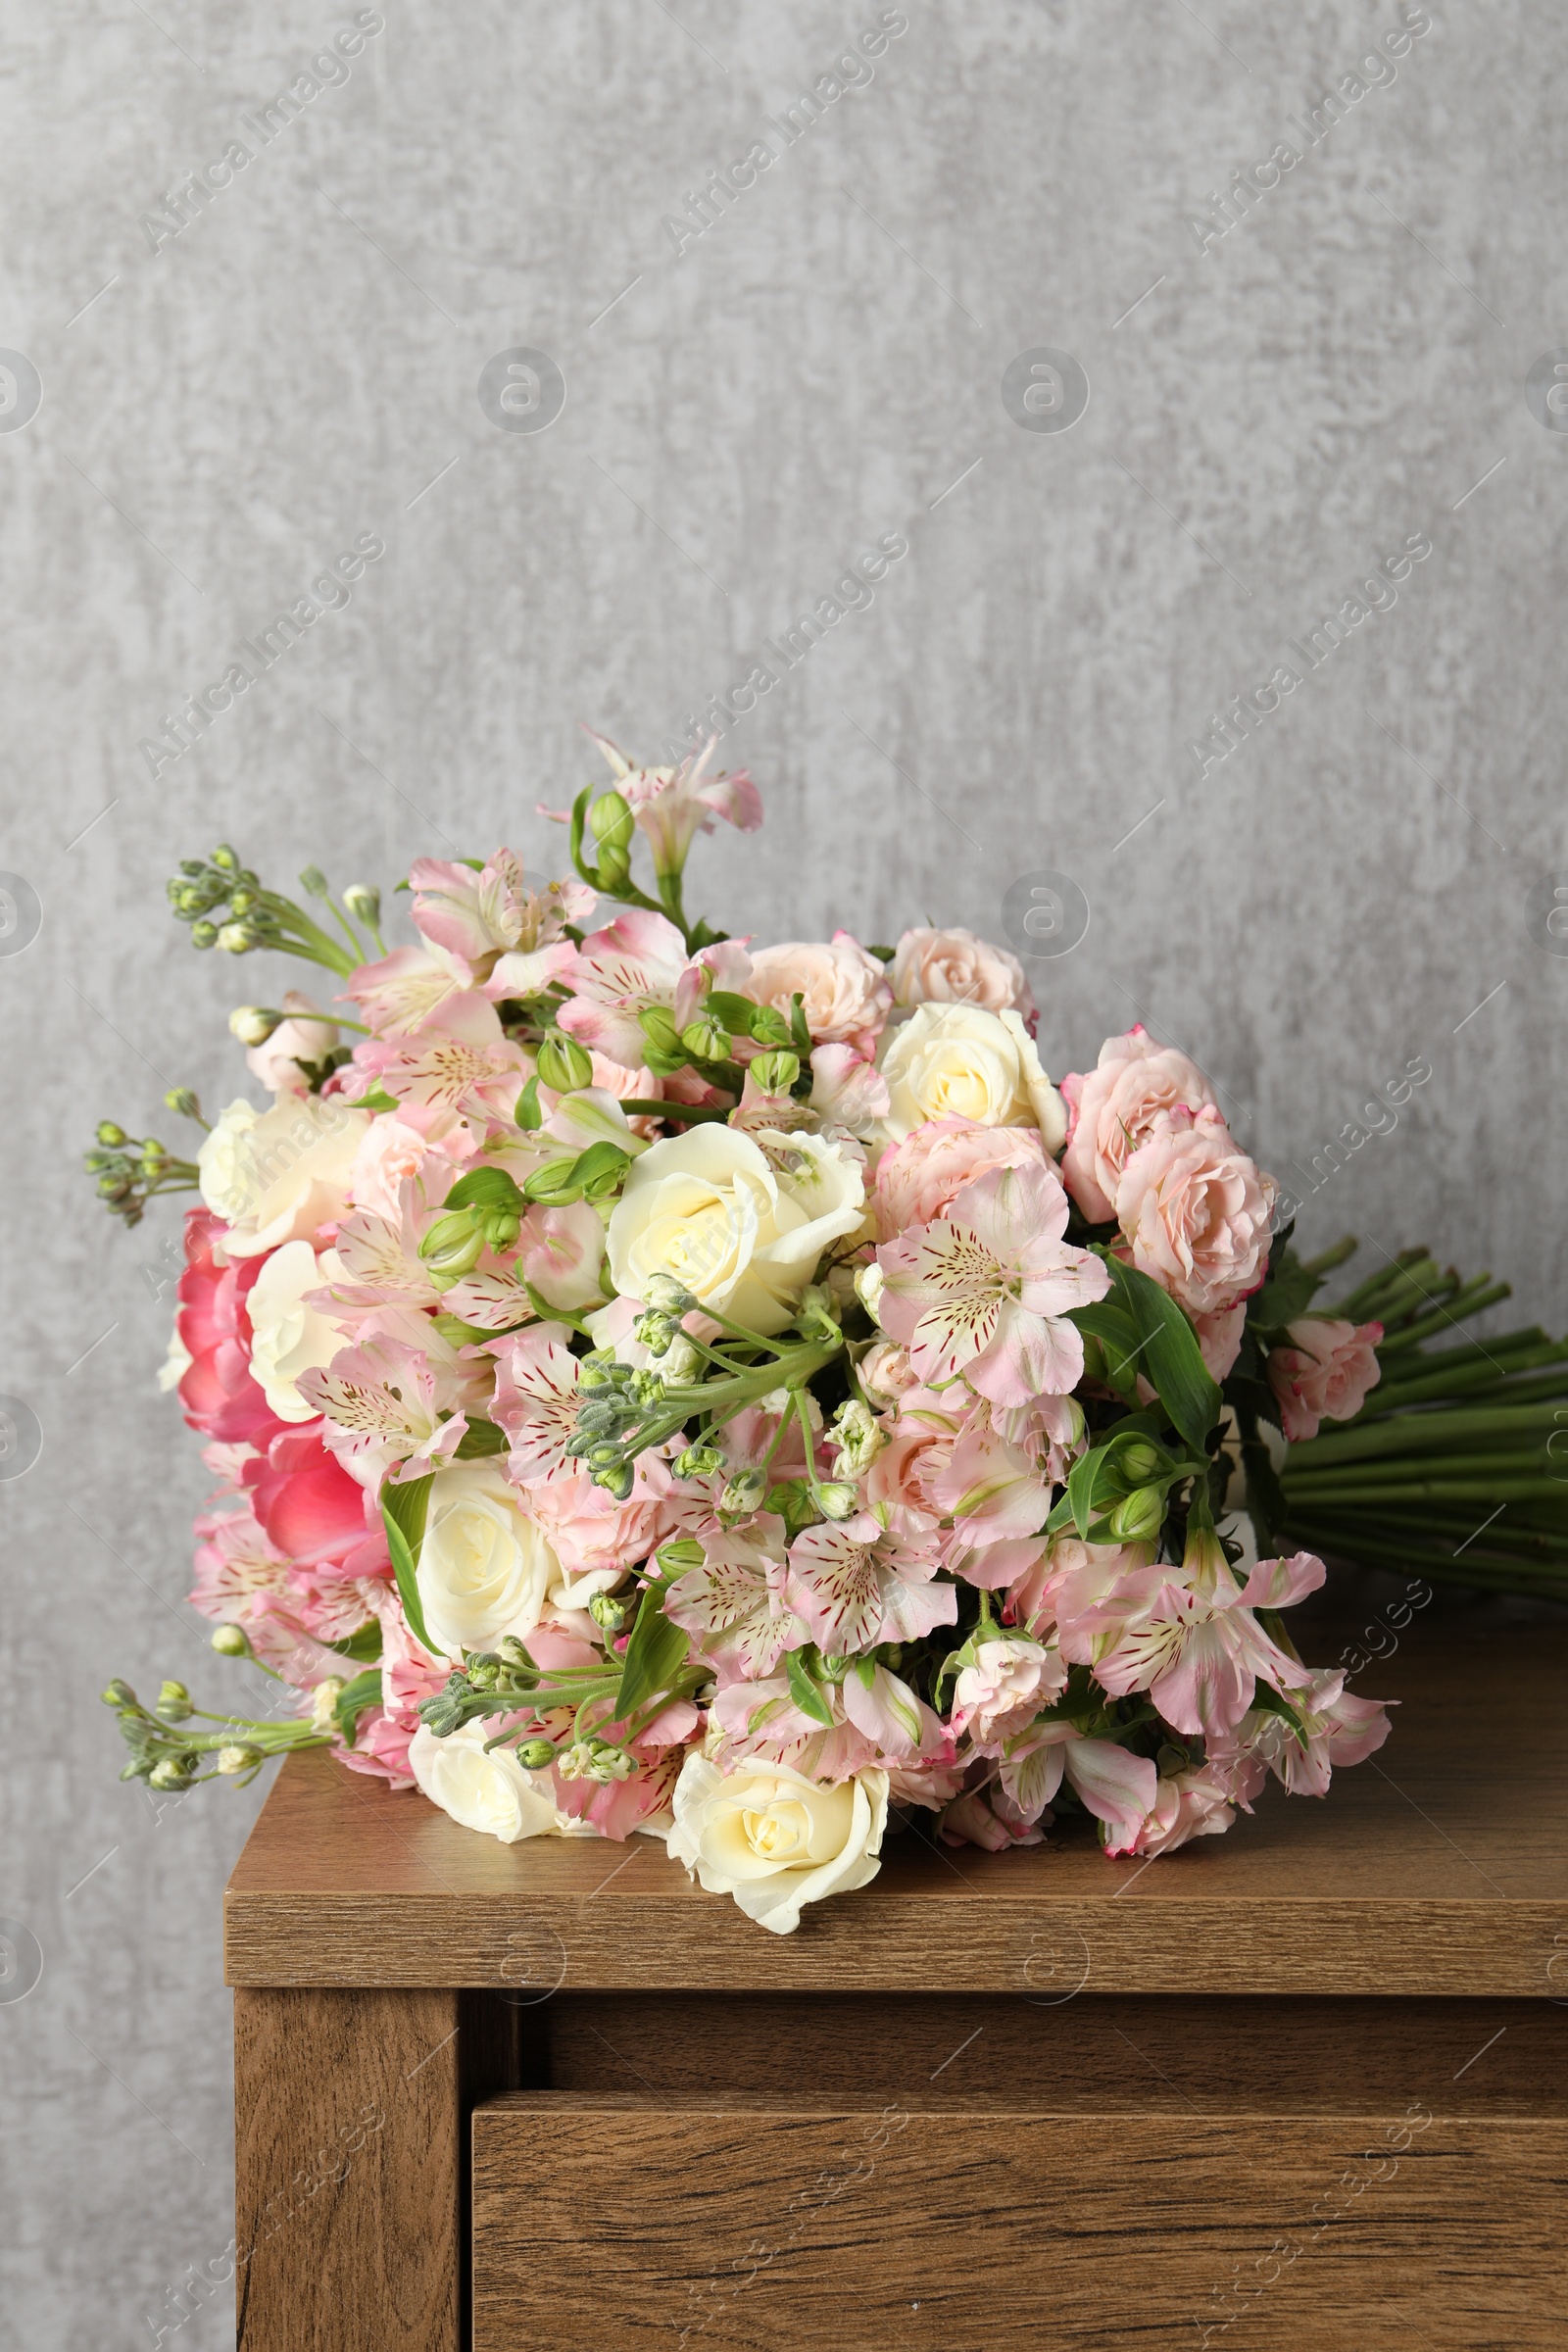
x=1143, y=333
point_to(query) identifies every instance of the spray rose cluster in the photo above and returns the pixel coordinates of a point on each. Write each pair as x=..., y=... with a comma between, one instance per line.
x=658, y=1381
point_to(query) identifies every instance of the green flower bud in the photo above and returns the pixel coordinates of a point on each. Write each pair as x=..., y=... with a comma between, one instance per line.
x=744, y=1492
x=153, y=1152
x=775, y=1073
x=670, y=1297
x=1139, y=1516
x=499, y=1226
x=535, y=1755
x=555, y=1184
x=618, y=1482
x=838, y=1499
x=111, y=1134
x=113, y=1188
x=117, y=1694
x=679, y=1554
x=607, y=1614
x=173, y=1702
x=230, y=1760
x=442, y=1714
x=314, y=881
x=515, y=1653
x=648, y=1388
x=769, y=1027
x=699, y=1462
x=238, y=939
x=611, y=822
x=253, y=1025
x=707, y=1039
x=597, y=1371
x=452, y=1247
x=614, y=868
x=231, y=1641
x=605, y=1455
x=138, y=1769
x=204, y=935
x=188, y=865
x=224, y=857
x=483, y=1673
x=364, y=902
x=658, y=1025
x=654, y=1331
x=173, y=1772
x=241, y=901
x=180, y=1099
x=563, y=1064
x=1138, y=1461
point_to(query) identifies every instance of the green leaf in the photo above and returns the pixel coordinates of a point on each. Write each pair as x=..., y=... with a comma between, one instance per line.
x=1119, y=1340
x=364, y=1691
x=403, y=1510
x=804, y=1689
x=480, y=1439
x=1288, y=1292
x=377, y=1100
x=655, y=1655
x=1170, y=1352
x=485, y=1188
x=361, y=1647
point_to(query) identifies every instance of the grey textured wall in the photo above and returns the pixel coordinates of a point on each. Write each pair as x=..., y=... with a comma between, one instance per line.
x=1269, y=415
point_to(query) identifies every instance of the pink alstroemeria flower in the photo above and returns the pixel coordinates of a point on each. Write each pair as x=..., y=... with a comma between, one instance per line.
x=494, y=913
x=671, y=806
x=465, y=1069
x=633, y=963
x=1117, y=1787
x=384, y=1404
x=985, y=1290
x=537, y=1401
x=856, y=1586
x=1189, y=1637
x=733, y=1606
x=1340, y=1729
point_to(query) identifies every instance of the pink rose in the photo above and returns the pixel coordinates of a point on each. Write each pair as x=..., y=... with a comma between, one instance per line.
x=954, y=967
x=886, y=1373
x=388, y=1156
x=1196, y=1211
x=845, y=994
x=308, y=1035
x=1325, y=1374
x=1219, y=1338
x=899, y=1483
x=1113, y=1108
x=918, y=1179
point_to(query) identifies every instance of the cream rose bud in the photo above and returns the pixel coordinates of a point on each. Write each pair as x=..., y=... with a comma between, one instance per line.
x=287, y=1337
x=485, y=1569
x=307, y=1035
x=954, y=967
x=958, y=1061
x=741, y=1220
x=775, y=1840
x=277, y=1176
x=491, y=1793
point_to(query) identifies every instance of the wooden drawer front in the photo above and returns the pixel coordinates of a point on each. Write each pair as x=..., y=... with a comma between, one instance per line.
x=966, y=2227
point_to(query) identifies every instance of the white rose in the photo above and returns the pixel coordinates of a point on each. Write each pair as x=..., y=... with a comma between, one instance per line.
x=176, y=1363
x=222, y=1164
x=958, y=1061
x=276, y=1177
x=773, y=1839
x=491, y=1793
x=741, y=1220
x=287, y=1337
x=485, y=1568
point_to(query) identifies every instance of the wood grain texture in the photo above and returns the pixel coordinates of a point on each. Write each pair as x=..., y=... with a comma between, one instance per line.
x=1437, y=1867
x=939, y=2225
x=350, y=2217
x=1096, y=2054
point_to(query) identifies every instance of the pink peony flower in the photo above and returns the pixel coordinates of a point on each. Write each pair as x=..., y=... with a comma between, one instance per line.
x=1325, y=1374
x=986, y=1291
x=846, y=995
x=217, y=1389
x=1196, y=1212
x=954, y=967
x=918, y=1181
x=1113, y=1108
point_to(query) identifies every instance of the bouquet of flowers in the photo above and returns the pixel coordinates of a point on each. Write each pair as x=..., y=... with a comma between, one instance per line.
x=662, y=1383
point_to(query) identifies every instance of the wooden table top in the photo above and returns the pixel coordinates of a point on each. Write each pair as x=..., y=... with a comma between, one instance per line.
x=1438, y=1867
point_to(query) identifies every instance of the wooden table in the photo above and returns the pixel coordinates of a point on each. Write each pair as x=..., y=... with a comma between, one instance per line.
x=1303, y=2087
